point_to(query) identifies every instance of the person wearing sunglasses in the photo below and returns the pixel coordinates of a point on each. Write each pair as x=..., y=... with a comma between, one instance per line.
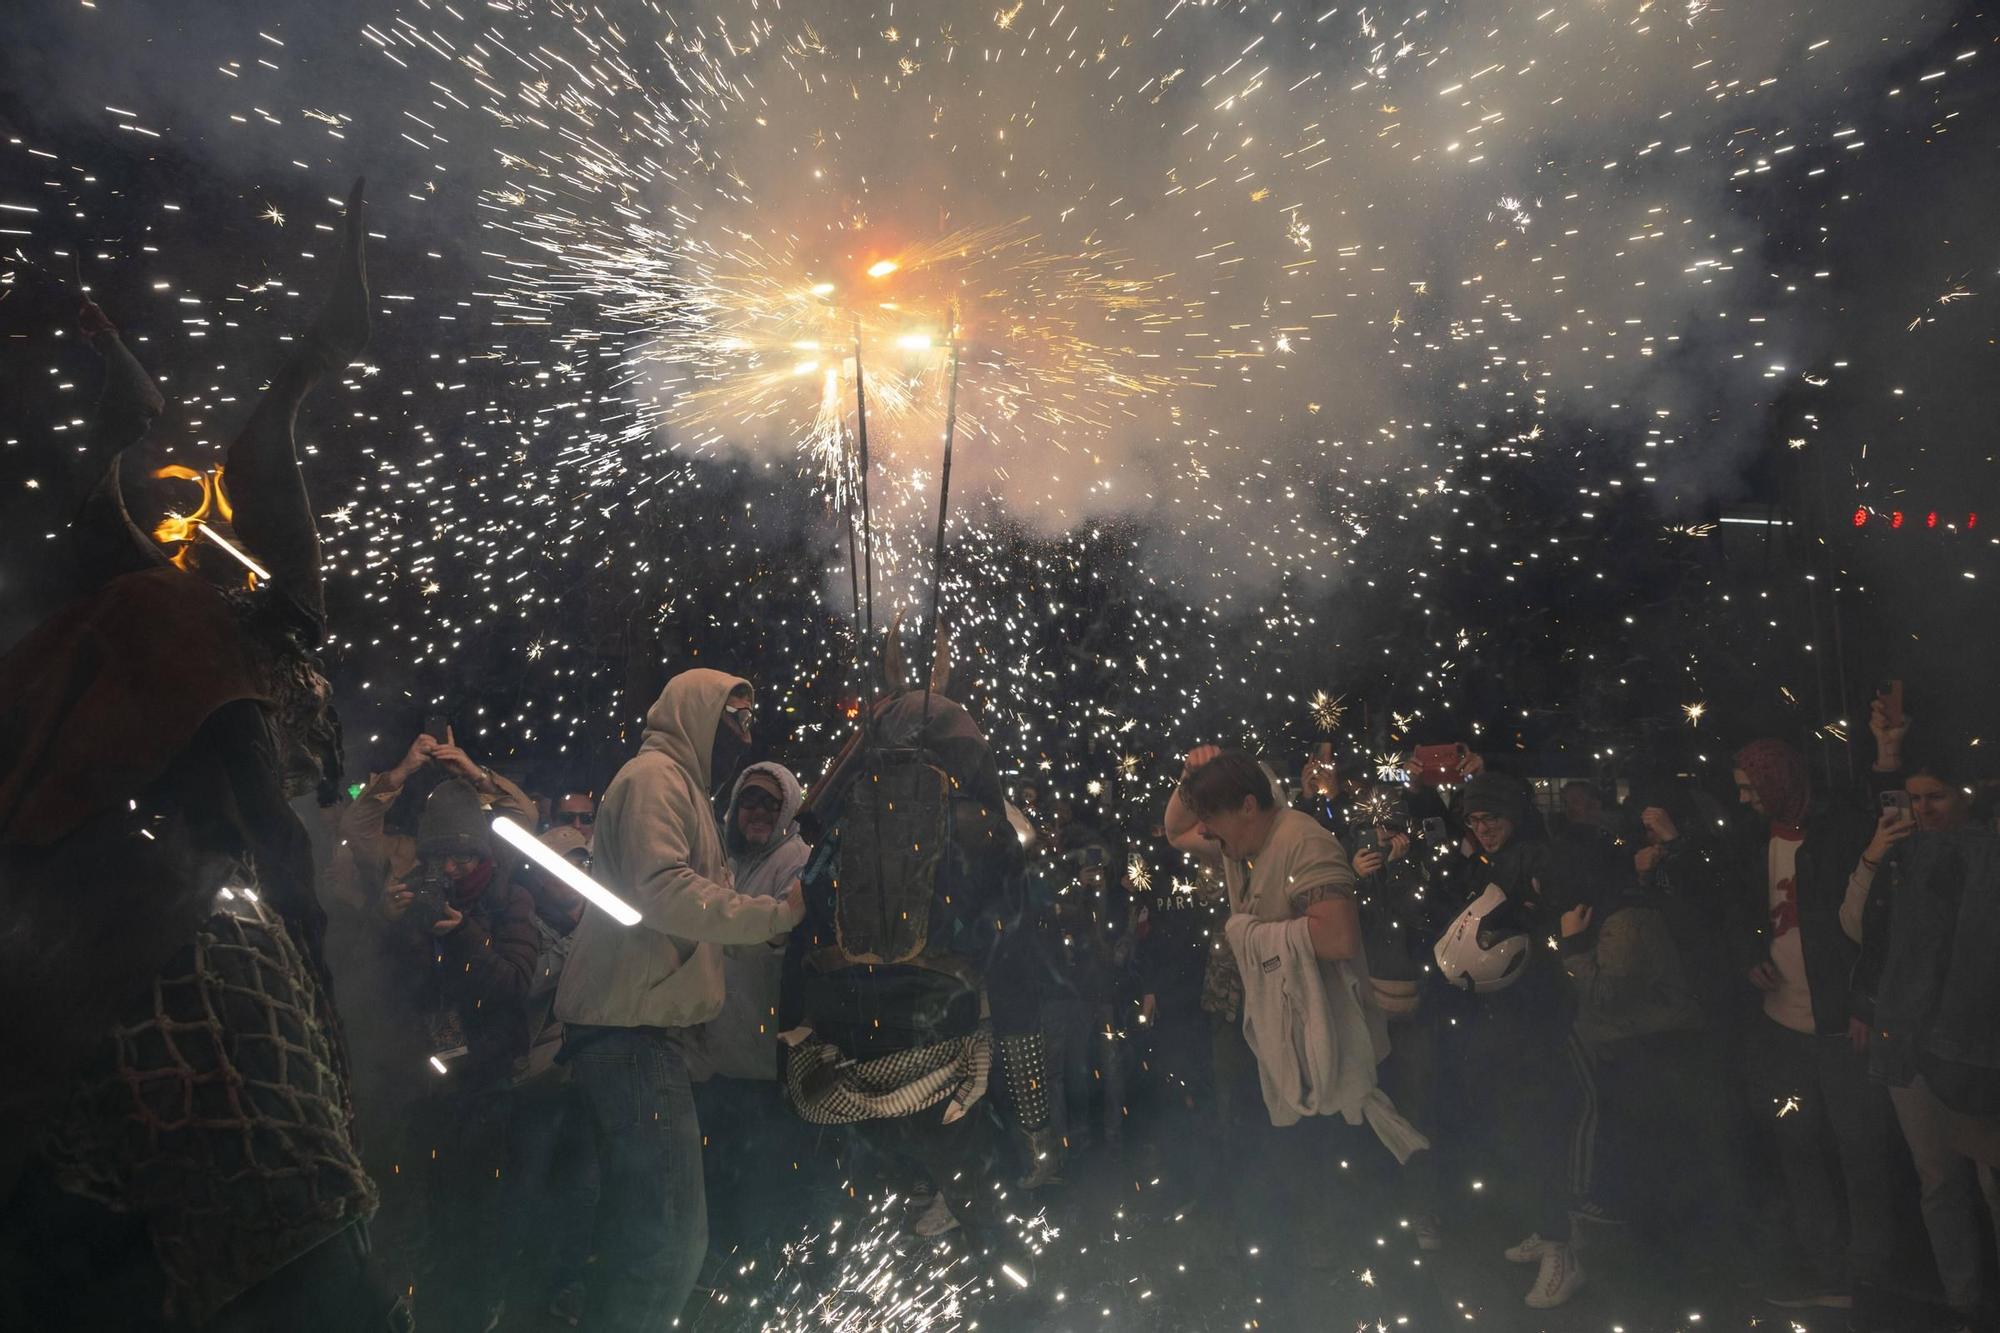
x=576, y=810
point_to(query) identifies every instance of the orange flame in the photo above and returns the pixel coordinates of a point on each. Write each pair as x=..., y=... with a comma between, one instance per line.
x=182, y=529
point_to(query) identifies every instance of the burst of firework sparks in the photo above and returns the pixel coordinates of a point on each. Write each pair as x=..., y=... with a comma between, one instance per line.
x=1953, y=294
x=1693, y=713
x=1327, y=710
x=652, y=278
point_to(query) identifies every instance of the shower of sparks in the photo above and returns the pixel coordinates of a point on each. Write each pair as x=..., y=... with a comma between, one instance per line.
x=1953, y=294
x=1257, y=331
x=1328, y=710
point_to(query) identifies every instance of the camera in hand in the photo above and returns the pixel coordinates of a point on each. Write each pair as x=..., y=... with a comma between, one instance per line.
x=429, y=897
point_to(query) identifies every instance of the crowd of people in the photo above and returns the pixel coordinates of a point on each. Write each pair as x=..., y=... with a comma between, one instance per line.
x=1658, y=1016
x=373, y=1068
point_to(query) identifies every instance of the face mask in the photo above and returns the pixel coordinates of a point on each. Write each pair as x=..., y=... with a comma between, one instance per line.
x=727, y=757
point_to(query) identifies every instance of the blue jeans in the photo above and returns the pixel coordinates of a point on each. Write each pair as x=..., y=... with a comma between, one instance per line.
x=548, y=1198
x=653, y=1213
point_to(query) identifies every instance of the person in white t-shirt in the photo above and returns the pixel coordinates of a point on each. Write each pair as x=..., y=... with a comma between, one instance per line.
x=1277, y=864
x=1805, y=1071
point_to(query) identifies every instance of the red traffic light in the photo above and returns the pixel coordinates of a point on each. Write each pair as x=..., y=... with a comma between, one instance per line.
x=1860, y=518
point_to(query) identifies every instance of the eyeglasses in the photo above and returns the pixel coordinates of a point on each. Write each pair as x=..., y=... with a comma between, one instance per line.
x=579, y=818
x=755, y=798
x=1483, y=820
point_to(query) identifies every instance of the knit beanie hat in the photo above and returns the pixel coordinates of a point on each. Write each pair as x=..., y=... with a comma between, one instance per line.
x=452, y=823
x=1495, y=794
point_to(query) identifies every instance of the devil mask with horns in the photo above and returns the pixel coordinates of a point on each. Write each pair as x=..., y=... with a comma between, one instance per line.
x=151, y=734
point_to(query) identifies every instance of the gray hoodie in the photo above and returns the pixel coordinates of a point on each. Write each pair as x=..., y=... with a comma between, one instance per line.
x=741, y=1041
x=658, y=848
x=768, y=869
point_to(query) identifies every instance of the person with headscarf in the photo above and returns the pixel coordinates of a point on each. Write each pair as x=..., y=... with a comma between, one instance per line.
x=1804, y=1069
x=176, y=1117
x=628, y=996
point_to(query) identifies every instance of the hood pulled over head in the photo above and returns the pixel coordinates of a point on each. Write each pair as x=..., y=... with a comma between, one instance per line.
x=788, y=789
x=682, y=721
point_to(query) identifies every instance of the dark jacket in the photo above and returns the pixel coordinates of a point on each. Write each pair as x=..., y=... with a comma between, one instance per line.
x=472, y=984
x=1927, y=963
x=1540, y=885
x=1627, y=970
x=1401, y=916
x=1697, y=888
x=1174, y=937
x=1834, y=839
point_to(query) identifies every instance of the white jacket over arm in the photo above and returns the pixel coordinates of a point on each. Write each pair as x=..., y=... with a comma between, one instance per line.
x=1311, y=1033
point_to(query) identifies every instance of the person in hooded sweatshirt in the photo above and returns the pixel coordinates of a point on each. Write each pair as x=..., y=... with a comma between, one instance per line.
x=745, y=1121
x=766, y=852
x=629, y=996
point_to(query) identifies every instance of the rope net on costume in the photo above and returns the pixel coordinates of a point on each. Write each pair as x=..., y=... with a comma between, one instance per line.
x=217, y=1108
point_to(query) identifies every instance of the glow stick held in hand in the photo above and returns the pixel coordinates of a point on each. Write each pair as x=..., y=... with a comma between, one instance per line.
x=621, y=911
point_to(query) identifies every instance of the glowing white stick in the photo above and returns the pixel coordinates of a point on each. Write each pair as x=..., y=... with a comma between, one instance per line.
x=621, y=911
x=242, y=559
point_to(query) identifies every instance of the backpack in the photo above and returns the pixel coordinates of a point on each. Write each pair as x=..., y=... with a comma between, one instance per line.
x=896, y=835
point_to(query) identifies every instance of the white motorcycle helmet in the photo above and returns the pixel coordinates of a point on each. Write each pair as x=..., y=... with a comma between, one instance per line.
x=1474, y=958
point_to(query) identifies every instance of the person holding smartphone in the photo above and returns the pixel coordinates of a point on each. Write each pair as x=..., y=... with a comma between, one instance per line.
x=1800, y=1053
x=380, y=827
x=1930, y=803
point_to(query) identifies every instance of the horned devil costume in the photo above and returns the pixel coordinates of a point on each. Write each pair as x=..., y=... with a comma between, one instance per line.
x=175, y=1124
x=901, y=977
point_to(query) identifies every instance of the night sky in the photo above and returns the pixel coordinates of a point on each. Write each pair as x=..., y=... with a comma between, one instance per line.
x=1430, y=361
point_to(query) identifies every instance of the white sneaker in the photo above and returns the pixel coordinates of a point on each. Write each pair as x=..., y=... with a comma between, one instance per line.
x=935, y=1220
x=1561, y=1275
x=1529, y=1251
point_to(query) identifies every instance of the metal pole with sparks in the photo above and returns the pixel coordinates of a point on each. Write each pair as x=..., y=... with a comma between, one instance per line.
x=944, y=502
x=867, y=521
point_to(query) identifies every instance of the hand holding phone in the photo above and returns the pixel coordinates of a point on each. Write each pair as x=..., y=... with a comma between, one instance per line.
x=1437, y=765
x=1891, y=694
x=1890, y=724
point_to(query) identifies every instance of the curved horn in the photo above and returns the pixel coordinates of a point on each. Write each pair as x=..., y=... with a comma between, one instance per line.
x=941, y=662
x=273, y=512
x=893, y=678
x=107, y=542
